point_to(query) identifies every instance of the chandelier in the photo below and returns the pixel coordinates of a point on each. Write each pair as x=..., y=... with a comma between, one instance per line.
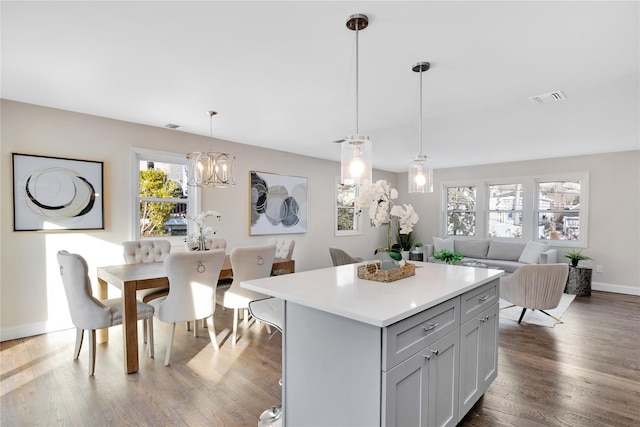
x=420, y=170
x=355, y=161
x=210, y=169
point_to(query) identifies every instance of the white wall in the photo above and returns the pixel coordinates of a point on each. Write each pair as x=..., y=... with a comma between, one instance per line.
x=32, y=299
x=31, y=293
x=614, y=203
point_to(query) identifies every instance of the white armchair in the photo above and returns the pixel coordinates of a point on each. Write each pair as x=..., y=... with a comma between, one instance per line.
x=89, y=313
x=535, y=287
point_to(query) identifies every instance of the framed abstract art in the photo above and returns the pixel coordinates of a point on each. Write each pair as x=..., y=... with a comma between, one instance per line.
x=278, y=204
x=51, y=193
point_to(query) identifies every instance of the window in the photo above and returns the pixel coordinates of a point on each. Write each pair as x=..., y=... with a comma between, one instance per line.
x=461, y=211
x=162, y=198
x=347, y=219
x=505, y=210
x=558, y=210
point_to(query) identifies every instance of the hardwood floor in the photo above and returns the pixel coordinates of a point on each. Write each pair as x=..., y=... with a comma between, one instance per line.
x=585, y=372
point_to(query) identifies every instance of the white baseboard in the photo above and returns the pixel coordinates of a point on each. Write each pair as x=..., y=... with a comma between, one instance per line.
x=618, y=289
x=32, y=329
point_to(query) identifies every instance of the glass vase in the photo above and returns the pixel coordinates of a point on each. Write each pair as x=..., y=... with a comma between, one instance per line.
x=386, y=262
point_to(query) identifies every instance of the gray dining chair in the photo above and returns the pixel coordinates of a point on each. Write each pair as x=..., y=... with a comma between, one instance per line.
x=340, y=257
x=89, y=313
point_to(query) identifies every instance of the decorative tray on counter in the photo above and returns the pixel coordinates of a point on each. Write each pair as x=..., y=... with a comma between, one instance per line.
x=372, y=271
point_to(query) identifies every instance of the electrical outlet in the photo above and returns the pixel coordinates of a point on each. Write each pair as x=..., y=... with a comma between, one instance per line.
x=599, y=269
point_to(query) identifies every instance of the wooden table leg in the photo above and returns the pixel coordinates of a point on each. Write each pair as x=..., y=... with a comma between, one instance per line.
x=130, y=327
x=103, y=293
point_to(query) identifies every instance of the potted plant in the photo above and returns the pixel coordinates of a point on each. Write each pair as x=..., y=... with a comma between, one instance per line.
x=575, y=257
x=447, y=256
x=417, y=253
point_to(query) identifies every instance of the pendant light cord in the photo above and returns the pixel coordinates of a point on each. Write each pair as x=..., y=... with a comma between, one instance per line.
x=357, y=82
x=420, y=141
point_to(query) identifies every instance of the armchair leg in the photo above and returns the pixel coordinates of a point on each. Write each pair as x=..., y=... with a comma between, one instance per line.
x=212, y=333
x=172, y=330
x=235, y=326
x=553, y=317
x=76, y=350
x=522, y=315
x=150, y=330
x=92, y=351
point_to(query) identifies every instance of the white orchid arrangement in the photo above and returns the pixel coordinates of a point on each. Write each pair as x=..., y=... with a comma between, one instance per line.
x=203, y=230
x=378, y=198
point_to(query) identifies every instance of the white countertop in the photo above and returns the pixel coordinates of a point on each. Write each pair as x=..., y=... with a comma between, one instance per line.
x=338, y=290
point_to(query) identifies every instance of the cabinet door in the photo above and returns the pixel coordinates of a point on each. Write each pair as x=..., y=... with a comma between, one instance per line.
x=478, y=357
x=405, y=389
x=443, y=381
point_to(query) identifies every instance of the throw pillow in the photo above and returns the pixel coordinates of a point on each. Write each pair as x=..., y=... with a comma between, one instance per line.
x=439, y=244
x=505, y=251
x=532, y=251
x=472, y=248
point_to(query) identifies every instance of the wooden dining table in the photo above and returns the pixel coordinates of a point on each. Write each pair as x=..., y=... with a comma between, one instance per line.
x=132, y=277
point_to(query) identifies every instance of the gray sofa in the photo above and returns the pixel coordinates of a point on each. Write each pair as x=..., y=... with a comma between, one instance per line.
x=494, y=253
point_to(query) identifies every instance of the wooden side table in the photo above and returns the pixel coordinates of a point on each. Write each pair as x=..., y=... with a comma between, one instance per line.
x=579, y=281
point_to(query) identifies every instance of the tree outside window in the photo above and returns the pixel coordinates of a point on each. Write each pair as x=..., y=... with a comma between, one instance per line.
x=347, y=219
x=461, y=211
x=162, y=199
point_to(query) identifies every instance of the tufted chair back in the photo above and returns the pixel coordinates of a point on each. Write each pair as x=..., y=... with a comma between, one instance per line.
x=141, y=251
x=284, y=247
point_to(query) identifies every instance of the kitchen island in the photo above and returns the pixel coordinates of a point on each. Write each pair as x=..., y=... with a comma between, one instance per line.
x=418, y=351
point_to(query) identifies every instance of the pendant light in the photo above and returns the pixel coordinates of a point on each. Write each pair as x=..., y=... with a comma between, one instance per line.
x=356, y=161
x=420, y=170
x=210, y=169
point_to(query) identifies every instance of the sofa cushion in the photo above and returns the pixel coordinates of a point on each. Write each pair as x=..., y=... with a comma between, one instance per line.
x=472, y=248
x=507, y=251
x=531, y=252
x=439, y=244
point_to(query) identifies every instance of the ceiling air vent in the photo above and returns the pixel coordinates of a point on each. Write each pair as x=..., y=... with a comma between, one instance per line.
x=548, y=97
x=172, y=126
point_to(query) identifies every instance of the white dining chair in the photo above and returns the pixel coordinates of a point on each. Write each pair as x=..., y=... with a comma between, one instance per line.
x=248, y=262
x=193, y=277
x=210, y=243
x=89, y=313
x=284, y=247
x=143, y=251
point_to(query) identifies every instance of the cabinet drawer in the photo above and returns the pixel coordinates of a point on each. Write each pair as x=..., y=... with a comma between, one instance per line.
x=405, y=338
x=477, y=300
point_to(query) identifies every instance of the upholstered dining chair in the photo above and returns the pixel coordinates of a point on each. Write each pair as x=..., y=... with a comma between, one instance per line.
x=535, y=287
x=210, y=243
x=340, y=257
x=284, y=247
x=193, y=277
x=89, y=313
x=143, y=251
x=248, y=262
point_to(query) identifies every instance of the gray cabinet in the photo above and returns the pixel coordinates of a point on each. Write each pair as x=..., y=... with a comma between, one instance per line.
x=478, y=357
x=423, y=390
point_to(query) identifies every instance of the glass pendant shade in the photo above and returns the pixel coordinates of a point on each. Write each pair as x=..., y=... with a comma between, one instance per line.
x=421, y=175
x=420, y=169
x=356, y=164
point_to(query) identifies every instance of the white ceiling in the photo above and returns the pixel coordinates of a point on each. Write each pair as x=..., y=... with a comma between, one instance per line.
x=282, y=74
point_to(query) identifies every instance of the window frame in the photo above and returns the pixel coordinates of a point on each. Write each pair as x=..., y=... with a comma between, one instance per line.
x=489, y=211
x=357, y=220
x=530, y=210
x=193, y=200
